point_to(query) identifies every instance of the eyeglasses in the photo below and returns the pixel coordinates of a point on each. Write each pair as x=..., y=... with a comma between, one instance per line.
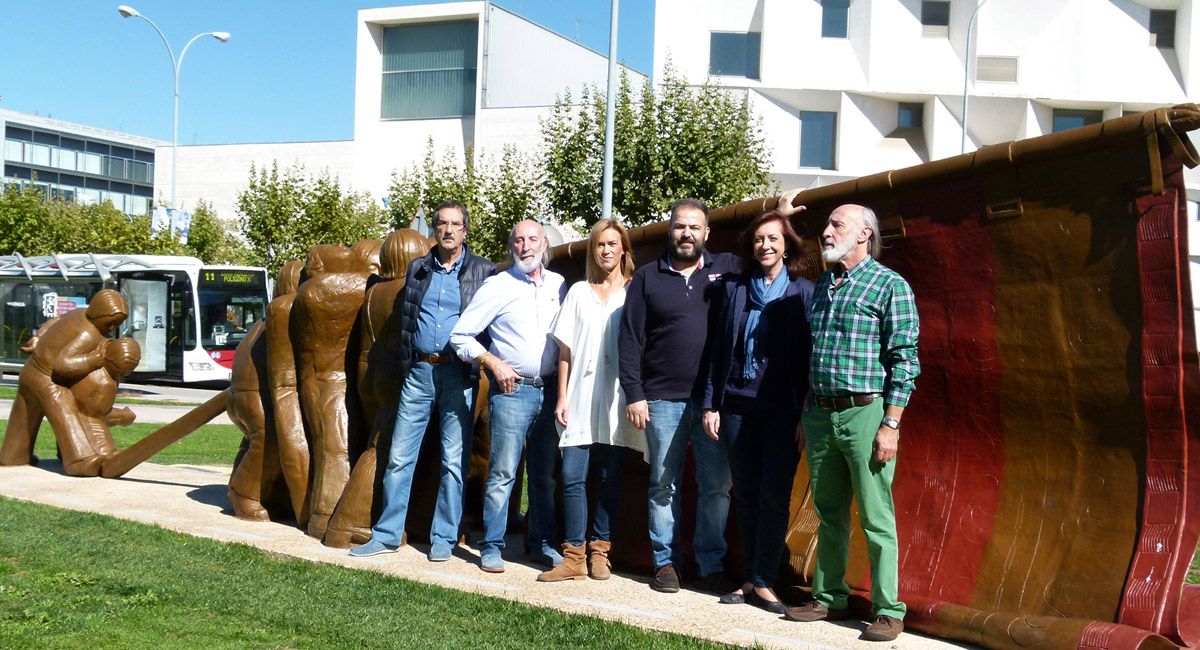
x=445, y=225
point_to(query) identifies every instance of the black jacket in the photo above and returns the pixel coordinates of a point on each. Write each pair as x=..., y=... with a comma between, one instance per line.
x=788, y=345
x=471, y=274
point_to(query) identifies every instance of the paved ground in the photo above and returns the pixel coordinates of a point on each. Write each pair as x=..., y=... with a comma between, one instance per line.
x=192, y=500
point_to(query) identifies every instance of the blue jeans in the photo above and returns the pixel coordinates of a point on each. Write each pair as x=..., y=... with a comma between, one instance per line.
x=526, y=414
x=449, y=388
x=673, y=423
x=763, y=457
x=610, y=460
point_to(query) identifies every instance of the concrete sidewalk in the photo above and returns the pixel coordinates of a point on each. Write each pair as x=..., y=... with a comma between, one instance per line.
x=192, y=500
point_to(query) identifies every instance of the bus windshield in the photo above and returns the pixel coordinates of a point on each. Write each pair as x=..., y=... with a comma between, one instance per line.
x=230, y=302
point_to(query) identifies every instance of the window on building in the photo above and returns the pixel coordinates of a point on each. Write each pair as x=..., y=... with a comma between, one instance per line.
x=935, y=13
x=1066, y=119
x=835, y=18
x=911, y=115
x=1162, y=28
x=734, y=54
x=818, y=139
x=429, y=70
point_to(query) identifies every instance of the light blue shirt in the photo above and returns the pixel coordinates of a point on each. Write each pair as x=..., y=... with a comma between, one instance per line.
x=517, y=313
x=439, y=308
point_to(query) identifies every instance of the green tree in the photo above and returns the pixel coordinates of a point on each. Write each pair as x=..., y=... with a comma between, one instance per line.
x=680, y=141
x=32, y=225
x=283, y=214
x=213, y=239
x=497, y=194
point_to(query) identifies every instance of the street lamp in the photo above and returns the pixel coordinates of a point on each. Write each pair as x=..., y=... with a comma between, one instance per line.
x=129, y=12
x=967, y=74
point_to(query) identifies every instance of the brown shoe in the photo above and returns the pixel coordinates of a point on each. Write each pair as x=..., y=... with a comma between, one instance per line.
x=883, y=628
x=572, y=567
x=665, y=580
x=815, y=611
x=598, y=565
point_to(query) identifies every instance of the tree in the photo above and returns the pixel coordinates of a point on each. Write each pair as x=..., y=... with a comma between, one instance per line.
x=212, y=239
x=31, y=224
x=497, y=195
x=677, y=142
x=283, y=214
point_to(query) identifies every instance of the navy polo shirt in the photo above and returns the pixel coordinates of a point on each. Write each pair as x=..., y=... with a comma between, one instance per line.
x=664, y=326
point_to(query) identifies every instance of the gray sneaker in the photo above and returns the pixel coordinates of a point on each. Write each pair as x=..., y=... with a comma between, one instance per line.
x=490, y=560
x=373, y=547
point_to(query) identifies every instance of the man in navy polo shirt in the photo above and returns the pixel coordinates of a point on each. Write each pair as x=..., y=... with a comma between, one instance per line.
x=439, y=286
x=663, y=329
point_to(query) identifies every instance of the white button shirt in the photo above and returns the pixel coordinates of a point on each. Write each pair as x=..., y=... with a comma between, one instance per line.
x=517, y=314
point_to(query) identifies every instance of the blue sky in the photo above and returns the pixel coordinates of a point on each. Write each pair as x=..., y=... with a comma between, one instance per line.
x=286, y=75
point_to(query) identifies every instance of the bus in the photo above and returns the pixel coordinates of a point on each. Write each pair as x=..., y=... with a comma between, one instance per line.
x=188, y=317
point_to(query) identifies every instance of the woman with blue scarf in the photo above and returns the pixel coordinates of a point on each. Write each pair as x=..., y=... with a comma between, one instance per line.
x=757, y=379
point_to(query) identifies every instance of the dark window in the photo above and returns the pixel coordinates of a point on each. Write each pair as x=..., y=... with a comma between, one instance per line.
x=734, y=54
x=429, y=70
x=71, y=179
x=935, y=13
x=97, y=147
x=45, y=138
x=1070, y=118
x=911, y=115
x=18, y=172
x=122, y=152
x=1162, y=27
x=818, y=138
x=143, y=156
x=96, y=183
x=142, y=190
x=835, y=18
x=15, y=133
x=72, y=144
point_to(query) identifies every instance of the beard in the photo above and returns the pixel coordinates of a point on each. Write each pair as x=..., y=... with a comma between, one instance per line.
x=527, y=266
x=687, y=256
x=838, y=252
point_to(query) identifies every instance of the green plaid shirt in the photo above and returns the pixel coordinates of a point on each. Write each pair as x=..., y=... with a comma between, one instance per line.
x=864, y=333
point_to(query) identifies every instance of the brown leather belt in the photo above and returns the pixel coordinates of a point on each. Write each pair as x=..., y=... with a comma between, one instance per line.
x=844, y=402
x=437, y=358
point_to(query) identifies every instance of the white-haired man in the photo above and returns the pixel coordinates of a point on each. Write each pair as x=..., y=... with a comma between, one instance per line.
x=863, y=364
x=516, y=308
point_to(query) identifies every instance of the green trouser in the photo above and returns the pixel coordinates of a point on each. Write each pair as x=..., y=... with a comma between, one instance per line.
x=841, y=466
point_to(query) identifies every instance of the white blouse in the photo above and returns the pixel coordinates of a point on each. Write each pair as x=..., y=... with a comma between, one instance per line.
x=588, y=327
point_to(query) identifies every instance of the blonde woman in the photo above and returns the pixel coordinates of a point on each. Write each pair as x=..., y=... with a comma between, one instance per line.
x=591, y=405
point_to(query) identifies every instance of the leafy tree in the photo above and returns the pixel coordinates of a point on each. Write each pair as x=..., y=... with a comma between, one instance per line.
x=213, y=240
x=283, y=214
x=497, y=195
x=32, y=225
x=699, y=142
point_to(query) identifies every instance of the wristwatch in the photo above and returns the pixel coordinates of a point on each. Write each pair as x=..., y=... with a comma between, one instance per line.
x=892, y=423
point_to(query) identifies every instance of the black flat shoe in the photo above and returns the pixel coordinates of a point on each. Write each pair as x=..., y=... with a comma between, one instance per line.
x=733, y=598
x=772, y=606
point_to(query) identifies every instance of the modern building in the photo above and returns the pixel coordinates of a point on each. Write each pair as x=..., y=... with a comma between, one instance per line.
x=456, y=75
x=847, y=88
x=79, y=163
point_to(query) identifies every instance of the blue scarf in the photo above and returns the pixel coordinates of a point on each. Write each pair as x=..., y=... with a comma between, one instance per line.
x=761, y=295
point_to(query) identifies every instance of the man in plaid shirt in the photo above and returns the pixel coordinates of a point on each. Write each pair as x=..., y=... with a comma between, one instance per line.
x=864, y=361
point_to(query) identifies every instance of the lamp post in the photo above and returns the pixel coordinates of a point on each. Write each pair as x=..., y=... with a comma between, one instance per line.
x=129, y=12
x=967, y=73
x=610, y=114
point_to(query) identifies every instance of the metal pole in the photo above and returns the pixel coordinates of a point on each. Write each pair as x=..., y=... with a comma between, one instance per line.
x=967, y=73
x=610, y=118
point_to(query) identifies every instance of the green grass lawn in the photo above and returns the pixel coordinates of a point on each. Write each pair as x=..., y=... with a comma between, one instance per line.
x=212, y=444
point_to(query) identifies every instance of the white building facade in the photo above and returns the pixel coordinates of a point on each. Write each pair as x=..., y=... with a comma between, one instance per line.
x=459, y=75
x=846, y=88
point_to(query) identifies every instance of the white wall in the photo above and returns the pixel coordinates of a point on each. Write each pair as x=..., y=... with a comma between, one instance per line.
x=218, y=173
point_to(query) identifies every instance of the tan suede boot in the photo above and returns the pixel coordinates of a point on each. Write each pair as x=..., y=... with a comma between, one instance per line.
x=598, y=565
x=573, y=566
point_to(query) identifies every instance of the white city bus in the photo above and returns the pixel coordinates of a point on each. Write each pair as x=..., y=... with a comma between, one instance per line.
x=187, y=317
